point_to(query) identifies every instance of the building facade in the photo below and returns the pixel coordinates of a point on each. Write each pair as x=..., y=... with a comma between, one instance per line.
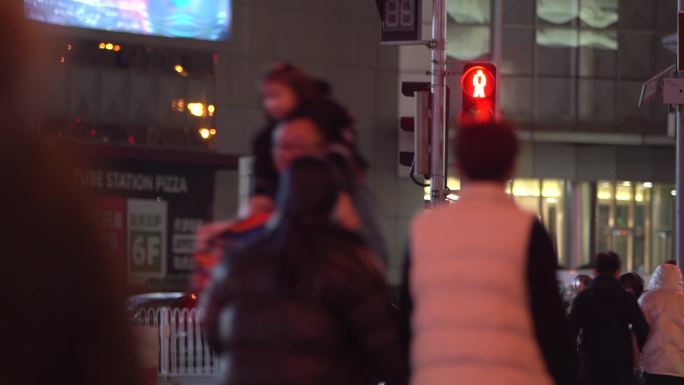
x=597, y=168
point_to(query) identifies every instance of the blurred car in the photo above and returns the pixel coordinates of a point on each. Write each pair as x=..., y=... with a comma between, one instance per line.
x=149, y=301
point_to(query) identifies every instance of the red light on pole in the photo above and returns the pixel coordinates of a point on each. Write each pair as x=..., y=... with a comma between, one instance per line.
x=478, y=85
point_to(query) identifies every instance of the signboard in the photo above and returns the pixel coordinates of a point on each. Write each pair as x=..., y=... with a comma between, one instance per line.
x=110, y=217
x=652, y=89
x=183, y=242
x=146, y=227
x=148, y=213
x=194, y=19
x=673, y=91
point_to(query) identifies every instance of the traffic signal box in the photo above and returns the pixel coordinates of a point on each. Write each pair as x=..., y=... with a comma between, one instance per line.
x=419, y=125
x=478, y=88
x=478, y=85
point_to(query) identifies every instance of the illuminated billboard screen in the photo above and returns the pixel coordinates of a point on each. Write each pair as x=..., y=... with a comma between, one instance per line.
x=194, y=19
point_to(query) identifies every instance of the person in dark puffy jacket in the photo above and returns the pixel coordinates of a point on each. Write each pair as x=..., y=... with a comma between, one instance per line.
x=603, y=316
x=305, y=304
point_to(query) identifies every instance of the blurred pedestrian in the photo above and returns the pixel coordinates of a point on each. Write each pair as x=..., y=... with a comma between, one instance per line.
x=289, y=94
x=63, y=319
x=663, y=306
x=633, y=283
x=581, y=283
x=481, y=285
x=285, y=90
x=602, y=316
x=304, y=304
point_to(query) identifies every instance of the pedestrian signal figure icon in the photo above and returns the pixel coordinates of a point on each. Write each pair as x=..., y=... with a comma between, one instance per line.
x=479, y=84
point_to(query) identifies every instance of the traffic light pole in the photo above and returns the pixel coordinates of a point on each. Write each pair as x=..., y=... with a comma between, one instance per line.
x=679, y=200
x=438, y=188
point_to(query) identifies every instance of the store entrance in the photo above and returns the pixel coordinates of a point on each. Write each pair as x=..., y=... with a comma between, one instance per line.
x=625, y=223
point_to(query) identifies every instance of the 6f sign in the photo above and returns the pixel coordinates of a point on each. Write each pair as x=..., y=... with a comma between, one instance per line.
x=400, y=20
x=146, y=228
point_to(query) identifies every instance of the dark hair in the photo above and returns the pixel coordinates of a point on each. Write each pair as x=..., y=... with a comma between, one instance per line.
x=583, y=279
x=486, y=151
x=342, y=167
x=305, y=231
x=308, y=192
x=305, y=88
x=671, y=262
x=633, y=282
x=265, y=174
x=607, y=264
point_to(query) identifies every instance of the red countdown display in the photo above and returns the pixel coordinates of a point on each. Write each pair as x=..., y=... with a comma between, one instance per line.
x=478, y=85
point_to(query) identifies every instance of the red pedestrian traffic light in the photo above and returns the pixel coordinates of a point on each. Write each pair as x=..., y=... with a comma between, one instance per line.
x=478, y=85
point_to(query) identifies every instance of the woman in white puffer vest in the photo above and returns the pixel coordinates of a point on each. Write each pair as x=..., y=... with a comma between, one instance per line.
x=663, y=306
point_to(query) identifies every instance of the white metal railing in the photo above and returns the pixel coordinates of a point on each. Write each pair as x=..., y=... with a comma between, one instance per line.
x=183, y=347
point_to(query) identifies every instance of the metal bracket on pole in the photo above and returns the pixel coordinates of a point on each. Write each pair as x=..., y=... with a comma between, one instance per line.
x=427, y=43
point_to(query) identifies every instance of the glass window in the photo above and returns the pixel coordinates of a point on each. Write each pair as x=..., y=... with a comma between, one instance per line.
x=629, y=112
x=639, y=245
x=664, y=57
x=516, y=97
x=596, y=62
x=605, y=191
x=635, y=219
x=623, y=192
x=666, y=18
x=603, y=220
x=636, y=55
x=616, y=41
x=517, y=51
x=662, y=243
x=470, y=11
x=552, y=188
x=556, y=51
x=526, y=187
x=597, y=100
x=638, y=14
x=526, y=193
x=468, y=42
x=558, y=12
x=607, y=40
x=518, y=12
x=558, y=100
x=552, y=214
x=598, y=13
